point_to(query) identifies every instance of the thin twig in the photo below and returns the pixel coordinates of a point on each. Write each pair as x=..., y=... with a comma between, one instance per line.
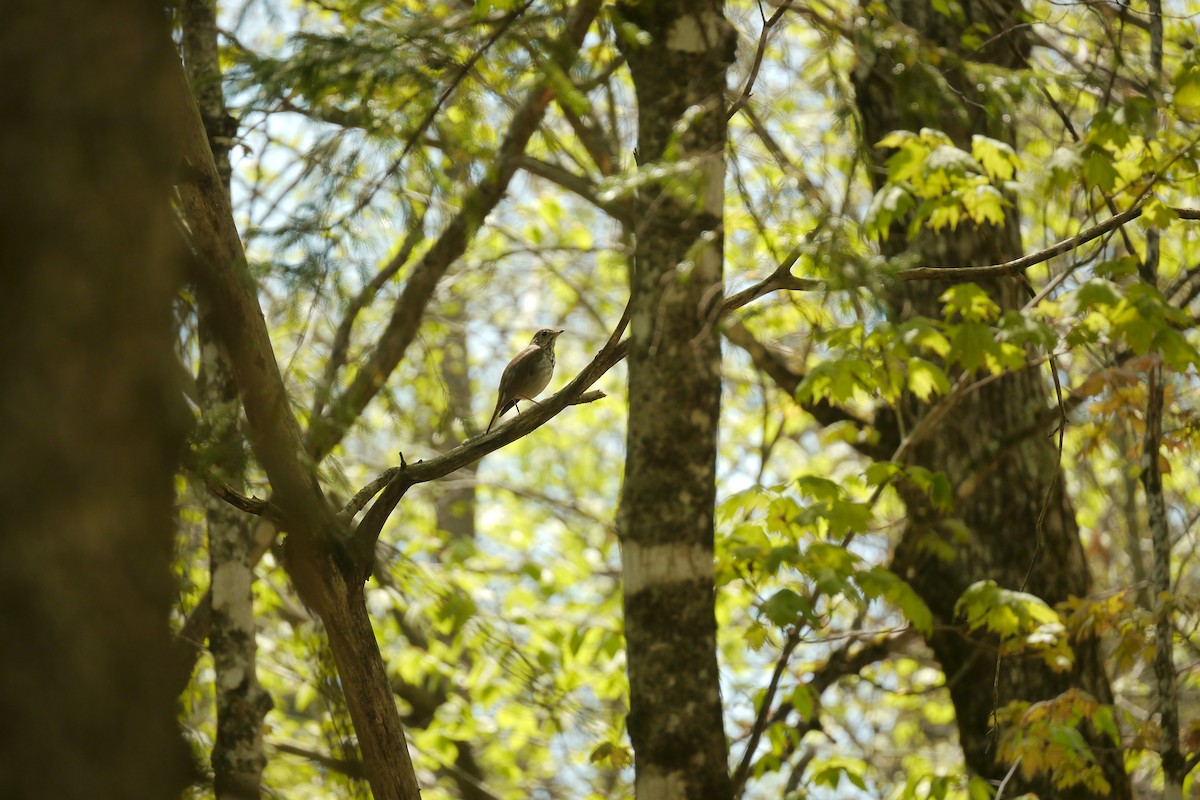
x=760, y=723
x=1004, y=783
x=768, y=25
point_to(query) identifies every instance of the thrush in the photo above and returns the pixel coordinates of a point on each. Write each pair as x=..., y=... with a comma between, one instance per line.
x=527, y=374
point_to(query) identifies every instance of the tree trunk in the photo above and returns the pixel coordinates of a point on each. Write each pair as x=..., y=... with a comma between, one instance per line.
x=666, y=512
x=237, y=758
x=897, y=90
x=90, y=403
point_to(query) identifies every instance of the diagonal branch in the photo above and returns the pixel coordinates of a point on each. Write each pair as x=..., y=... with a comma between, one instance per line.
x=327, y=430
x=760, y=723
x=1023, y=263
x=470, y=451
x=218, y=267
x=399, y=480
x=341, y=338
x=578, y=184
x=315, y=544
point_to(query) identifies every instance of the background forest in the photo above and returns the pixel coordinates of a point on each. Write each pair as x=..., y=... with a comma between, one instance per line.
x=868, y=465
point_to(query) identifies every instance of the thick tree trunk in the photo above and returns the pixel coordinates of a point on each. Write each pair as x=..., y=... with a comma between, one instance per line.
x=666, y=513
x=237, y=758
x=1001, y=490
x=90, y=403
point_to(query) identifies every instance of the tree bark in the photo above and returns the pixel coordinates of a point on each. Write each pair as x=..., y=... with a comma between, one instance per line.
x=665, y=518
x=90, y=403
x=326, y=575
x=237, y=756
x=896, y=89
x=327, y=566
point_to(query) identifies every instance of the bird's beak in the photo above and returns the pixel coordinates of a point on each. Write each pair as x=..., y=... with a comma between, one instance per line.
x=556, y=333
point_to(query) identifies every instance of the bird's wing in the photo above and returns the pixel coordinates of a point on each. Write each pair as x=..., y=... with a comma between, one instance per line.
x=513, y=370
x=506, y=381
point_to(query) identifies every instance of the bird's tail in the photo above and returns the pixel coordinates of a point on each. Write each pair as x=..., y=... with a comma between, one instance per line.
x=495, y=414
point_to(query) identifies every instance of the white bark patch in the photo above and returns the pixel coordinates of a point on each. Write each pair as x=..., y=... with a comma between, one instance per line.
x=229, y=596
x=654, y=782
x=687, y=35
x=231, y=677
x=713, y=166
x=664, y=563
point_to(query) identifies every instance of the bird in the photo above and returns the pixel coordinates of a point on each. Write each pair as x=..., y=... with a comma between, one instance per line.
x=527, y=374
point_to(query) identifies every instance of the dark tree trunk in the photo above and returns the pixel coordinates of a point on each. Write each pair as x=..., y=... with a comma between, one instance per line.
x=90, y=404
x=1001, y=484
x=666, y=512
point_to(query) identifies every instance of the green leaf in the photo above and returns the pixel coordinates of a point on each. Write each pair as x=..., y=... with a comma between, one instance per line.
x=940, y=212
x=1158, y=213
x=949, y=160
x=984, y=204
x=970, y=302
x=889, y=204
x=1117, y=268
x=1108, y=127
x=1024, y=622
x=614, y=755
x=1176, y=350
x=1064, y=167
x=803, y=700
x=881, y=583
x=1096, y=292
x=786, y=607
x=970, y=345
x=1104, y=722
x=897, y=139
x=880, y=472
x=926, y=378
x=838, y=381
x=831, y=776
x=998, y=158
x=1186, y=87
x=906, y=164
x=1098, y=169
x=979, y=789
x=818, y=488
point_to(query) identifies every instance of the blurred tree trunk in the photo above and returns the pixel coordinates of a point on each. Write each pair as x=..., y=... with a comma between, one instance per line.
x=455, y=506
x=237, y=756
x=1008, y=482
x=90, y=403
x=666, y=512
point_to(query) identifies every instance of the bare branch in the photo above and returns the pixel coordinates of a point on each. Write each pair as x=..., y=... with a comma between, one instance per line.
x=1025, y=262
x=781, y=278
x=251, y=505
x=352, y=768
x=400, y=479
x=768, y=26
x=470, y=451
x=760, y=723
x=579, y=185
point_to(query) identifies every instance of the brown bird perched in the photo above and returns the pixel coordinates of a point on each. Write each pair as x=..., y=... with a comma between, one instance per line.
x=527, y=374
